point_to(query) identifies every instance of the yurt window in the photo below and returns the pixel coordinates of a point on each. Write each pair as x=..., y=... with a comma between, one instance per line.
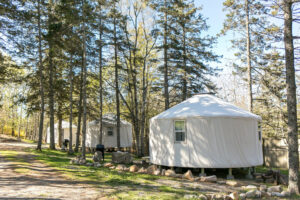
x=179, y=128
x=110, y=131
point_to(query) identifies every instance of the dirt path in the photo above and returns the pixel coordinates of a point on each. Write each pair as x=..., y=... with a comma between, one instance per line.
x=41, y=183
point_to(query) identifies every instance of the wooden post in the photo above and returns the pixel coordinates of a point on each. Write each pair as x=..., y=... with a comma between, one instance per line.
x=249, y=175
x=202, y=172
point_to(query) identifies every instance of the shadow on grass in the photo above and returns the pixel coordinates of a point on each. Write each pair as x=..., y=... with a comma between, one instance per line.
x=262, y=169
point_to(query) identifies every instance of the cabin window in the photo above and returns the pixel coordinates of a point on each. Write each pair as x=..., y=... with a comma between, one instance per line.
x=259, y=131
x=179, y=128
x=110, y=131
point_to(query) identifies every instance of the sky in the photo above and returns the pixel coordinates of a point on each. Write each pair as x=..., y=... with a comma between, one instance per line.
x=213, y=11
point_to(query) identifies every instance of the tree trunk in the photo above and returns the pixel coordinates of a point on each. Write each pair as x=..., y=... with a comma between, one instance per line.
x=135, y=144
x=166, y=81
x=19, y=132
x=20, y=122
x=147, y=124
x=131, y=92
x=79, y=111
x=135, y=92
x=41, y=69
x=36, y=126
x=13, y=131
x=51, y=103
x=291, y=99
x=46, y=132
x=26, y=129
x=60, y=131
x=84, y=84
x=117, y=83
x=13, y=122
x=71, y=108
x=184, y=92
x=33, y=128
x=143, y=109
x=249, y=67
x=100, y=81
x=51, y=72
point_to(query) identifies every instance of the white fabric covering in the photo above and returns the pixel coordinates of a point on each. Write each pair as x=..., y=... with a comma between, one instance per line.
x=65, y=130
x=93, y=133
x=218, y=135
x=205, y=106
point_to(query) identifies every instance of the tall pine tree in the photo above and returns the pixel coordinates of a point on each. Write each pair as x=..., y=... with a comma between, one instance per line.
x=190, y=51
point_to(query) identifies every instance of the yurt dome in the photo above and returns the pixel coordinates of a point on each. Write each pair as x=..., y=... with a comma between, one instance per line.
x=64, y=125
x=109, y=119
x=205, y=132
x=205, y=106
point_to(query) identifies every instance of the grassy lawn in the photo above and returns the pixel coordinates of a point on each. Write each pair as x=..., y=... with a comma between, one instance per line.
x=28, y=141
x=19, y=164
x=13, y=156
x=262, y=169
x=120, y=185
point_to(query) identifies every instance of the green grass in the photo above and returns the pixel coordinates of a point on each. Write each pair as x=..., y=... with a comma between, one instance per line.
x=29, y=141
x=60, y=160
x=14, y=157
x=134, y=185
x=262, y=169
x=19, y=164
x=22, y=170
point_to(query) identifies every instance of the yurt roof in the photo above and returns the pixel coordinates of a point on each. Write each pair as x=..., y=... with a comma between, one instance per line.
x=205, y=106
x=109, y=119
x=64, y=124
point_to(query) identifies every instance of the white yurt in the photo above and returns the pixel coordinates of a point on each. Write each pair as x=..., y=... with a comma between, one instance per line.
x=65, y=132
x=109, y=139
x=205, y=132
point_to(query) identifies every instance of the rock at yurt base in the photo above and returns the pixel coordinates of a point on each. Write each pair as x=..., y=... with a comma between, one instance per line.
x=188, y=175
x=121, y=167
x=212, y=178
x=151, y=169
x=156, y=172
x=108, y=165
x=142, y=170
x=170, y=172
x=133, y=168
